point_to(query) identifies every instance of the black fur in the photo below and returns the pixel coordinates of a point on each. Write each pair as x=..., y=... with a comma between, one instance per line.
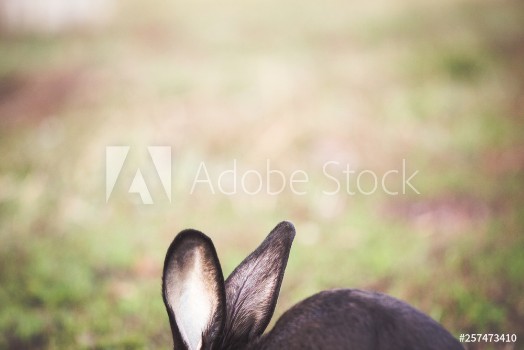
x=179, y=250
x=249, y=310
x=338, y=319
x=356, y=320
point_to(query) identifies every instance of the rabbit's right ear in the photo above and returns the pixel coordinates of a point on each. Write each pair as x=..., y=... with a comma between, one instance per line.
x=252, y=288
x=193, y=291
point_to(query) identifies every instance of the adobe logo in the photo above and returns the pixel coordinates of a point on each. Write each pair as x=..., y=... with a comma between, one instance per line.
x=161, y=161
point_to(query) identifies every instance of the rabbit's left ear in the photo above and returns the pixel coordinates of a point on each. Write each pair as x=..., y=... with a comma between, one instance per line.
x=252, y=288
x=193, y=291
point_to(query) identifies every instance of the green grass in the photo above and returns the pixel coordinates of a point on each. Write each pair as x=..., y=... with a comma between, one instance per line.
x=298, y=83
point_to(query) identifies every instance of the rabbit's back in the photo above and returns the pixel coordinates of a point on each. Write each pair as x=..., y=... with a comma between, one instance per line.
x=356, y=320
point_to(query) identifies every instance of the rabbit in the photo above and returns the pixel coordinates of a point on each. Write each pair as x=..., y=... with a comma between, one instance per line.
x=206, y=312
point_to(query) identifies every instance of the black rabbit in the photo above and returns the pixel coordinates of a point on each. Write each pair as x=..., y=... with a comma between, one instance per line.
x=207, y=313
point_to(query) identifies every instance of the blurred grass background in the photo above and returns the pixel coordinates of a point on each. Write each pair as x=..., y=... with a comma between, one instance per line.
x=439, y=84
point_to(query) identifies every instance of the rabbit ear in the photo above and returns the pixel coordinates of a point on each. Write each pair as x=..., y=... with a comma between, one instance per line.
x=193, y=291
x=252, y=288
